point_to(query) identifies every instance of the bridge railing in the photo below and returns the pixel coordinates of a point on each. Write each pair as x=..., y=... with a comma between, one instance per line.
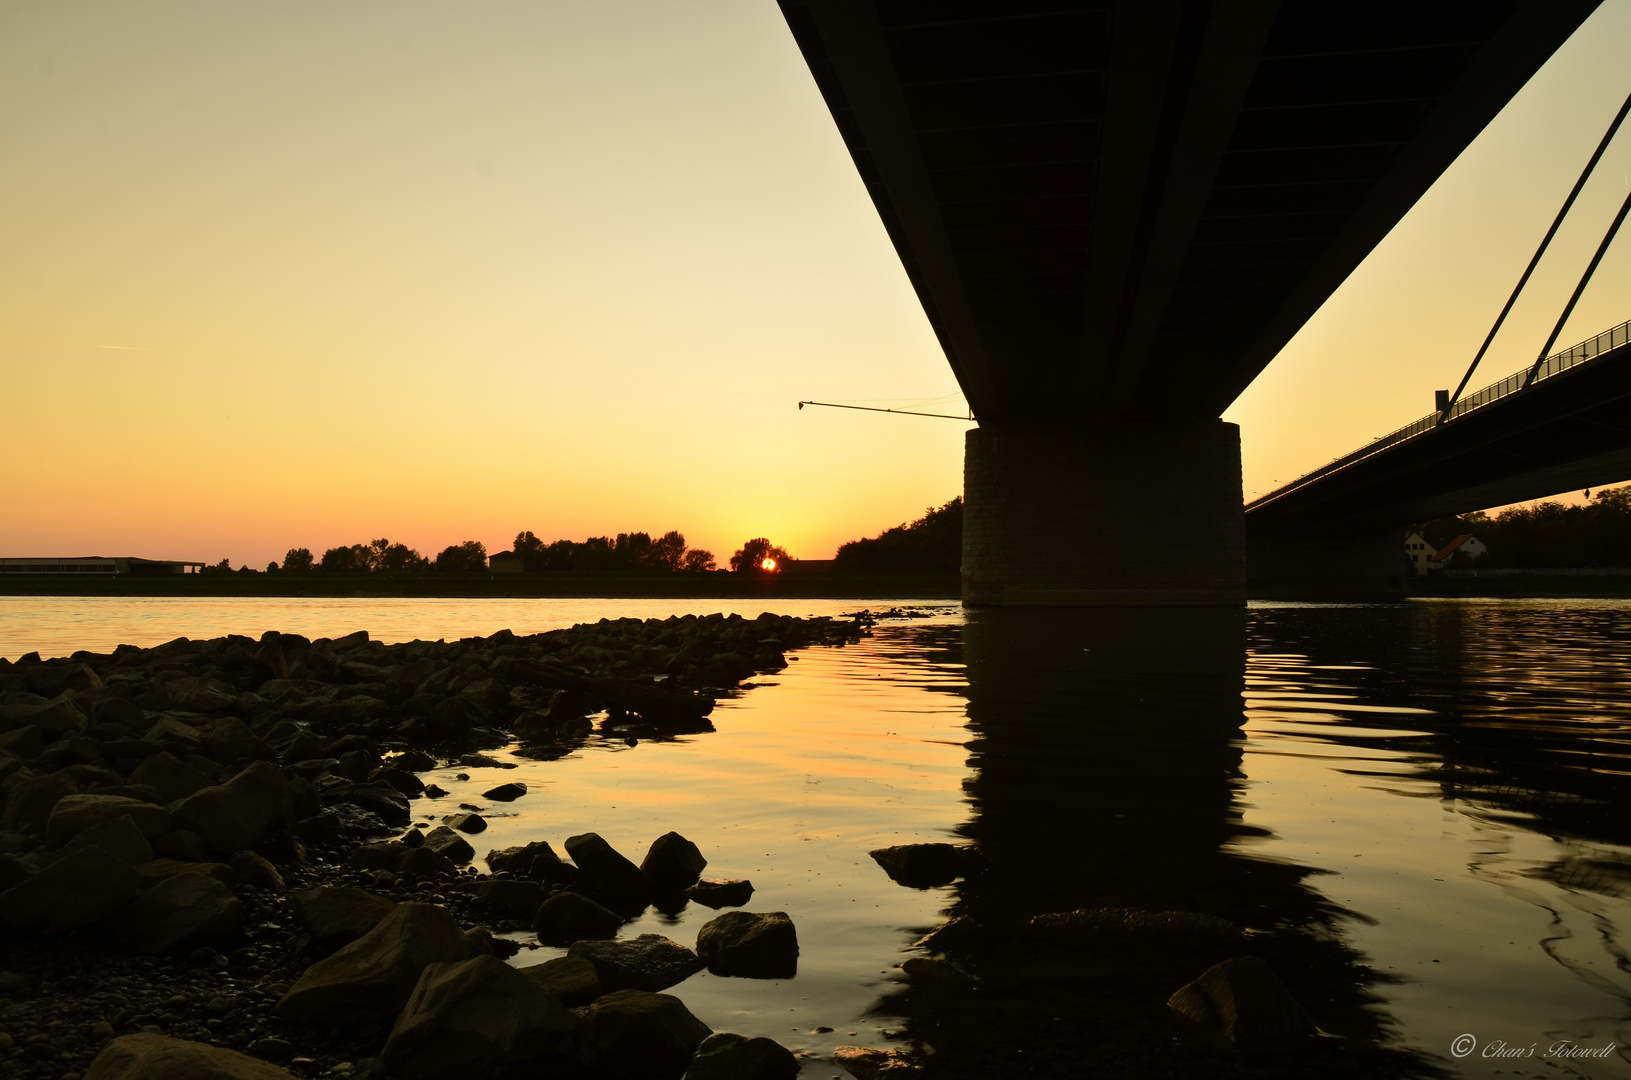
x=1555, y=364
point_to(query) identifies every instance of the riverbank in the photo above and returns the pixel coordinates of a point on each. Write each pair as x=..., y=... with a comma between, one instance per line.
x=796, y=585
x=1539, y=585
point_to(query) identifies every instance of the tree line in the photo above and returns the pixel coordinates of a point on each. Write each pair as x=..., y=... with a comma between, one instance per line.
x=932, y=542
x=625, y=551
x=1546, y=534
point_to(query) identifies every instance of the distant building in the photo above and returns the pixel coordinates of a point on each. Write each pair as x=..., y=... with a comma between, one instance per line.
x=505, y=562
x=1465, y=544
x=99, y=564
x=1421, y=553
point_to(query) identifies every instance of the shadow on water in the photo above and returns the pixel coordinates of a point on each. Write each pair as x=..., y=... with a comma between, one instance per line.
x=1105, y=756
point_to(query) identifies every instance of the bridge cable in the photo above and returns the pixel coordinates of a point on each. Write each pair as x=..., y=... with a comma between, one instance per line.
x=1602, y=146
x=1578, y=289
x=897, y=412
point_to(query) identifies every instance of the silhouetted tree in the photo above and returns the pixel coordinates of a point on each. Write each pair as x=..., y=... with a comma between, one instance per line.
x=1547, y=534
x=345, y=559
x=395, y=558
x=698, y=560
x=222, y=567
x=755, y=552
x=297, y=559
x=272, y=567
x=932, y=542
x=468, y=556
x=667, y=552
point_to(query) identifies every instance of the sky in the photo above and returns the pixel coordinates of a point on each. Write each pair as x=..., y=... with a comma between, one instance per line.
x=301, y=275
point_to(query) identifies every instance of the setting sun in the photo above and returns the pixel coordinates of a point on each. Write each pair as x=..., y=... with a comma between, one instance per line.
x=768, y=564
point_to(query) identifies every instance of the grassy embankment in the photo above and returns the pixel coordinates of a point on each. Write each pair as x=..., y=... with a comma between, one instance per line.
x=653, y=585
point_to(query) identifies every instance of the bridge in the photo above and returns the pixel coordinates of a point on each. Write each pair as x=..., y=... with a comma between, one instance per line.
x=1568, y=427
x=1116, y=214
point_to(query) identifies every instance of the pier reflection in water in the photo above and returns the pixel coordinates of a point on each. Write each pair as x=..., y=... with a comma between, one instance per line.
x=1106, y=753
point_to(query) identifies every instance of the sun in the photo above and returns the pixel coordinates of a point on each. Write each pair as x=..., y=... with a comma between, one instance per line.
x=768, y=564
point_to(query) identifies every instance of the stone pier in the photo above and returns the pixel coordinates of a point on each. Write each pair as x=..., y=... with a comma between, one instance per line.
x=1102, y=515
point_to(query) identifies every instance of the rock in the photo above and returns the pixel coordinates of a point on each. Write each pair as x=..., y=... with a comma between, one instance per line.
x=449, y=844
x=272, y=1048
x=31, y=801
x=607, y=875
x=673, y=862
x=467, y=823
x=470, y=1017
x=159, y=1057
x=634, y=1035
x=924, y=866
x=73, y=814
x=1245, y=1003
x=159, y=870
x=750, y=944
x=723, y=1056
x=173, y=732
x=85, y=886
x=174, y=778
x=865, y=1063
x=649, y=962
x=371, y=979
x=236, y=815
x=27, y=743
x=400, y=779
x=182, y=844
x=339, y=916
x=536, y=860
x=567, y=917
x=953, y=935
x=390, y=805
x=385, y=855
x=571, y=980
x=518, y=898
x=182, y=912
x=57, y=717
x=119, y=838
x=252, y=869
x=422, y=863
x=721, y=892
x=413, y=761
x=230, y=741
x=506, y=792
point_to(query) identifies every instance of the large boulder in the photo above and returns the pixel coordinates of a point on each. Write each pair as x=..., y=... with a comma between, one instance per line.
x=371, y=979
x=756, y=945
x=470, y=1017
x=181, y=912
x=338, y=916
x=634, y=1035
x=608, y=875
x=57, y=717
x=1245, y=1003
x=520, y=899
x=673, y=862
x=536, y=860
x=159, y=1057
x=924, y=866
x=30, y=802
x=649, y=962
x=174, y=778
x=870, y=1063
x=236, y=815
x=568, y=916
x=449, y=844
x=73, y=814
x=120, y=838
x=571, y=980
x=724, y=1056
x=84, y=886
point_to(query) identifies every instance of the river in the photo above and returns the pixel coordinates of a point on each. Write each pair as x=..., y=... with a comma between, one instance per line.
x=1430, y=796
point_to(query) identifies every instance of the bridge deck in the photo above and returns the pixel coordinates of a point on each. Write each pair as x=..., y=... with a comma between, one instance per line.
x=1570, y=428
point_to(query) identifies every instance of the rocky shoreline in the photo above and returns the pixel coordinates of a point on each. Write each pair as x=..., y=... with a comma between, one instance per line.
x=210, y=860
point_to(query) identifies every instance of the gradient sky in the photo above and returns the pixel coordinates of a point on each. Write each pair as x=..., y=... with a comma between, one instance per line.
x=309, y=274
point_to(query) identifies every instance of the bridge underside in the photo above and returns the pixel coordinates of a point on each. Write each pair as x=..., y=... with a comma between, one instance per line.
x=1116, y=213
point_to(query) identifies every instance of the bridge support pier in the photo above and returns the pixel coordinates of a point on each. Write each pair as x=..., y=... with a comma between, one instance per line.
x=1104, y=515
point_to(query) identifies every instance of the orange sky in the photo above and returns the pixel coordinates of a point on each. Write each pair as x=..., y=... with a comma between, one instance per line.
x=304, y=274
